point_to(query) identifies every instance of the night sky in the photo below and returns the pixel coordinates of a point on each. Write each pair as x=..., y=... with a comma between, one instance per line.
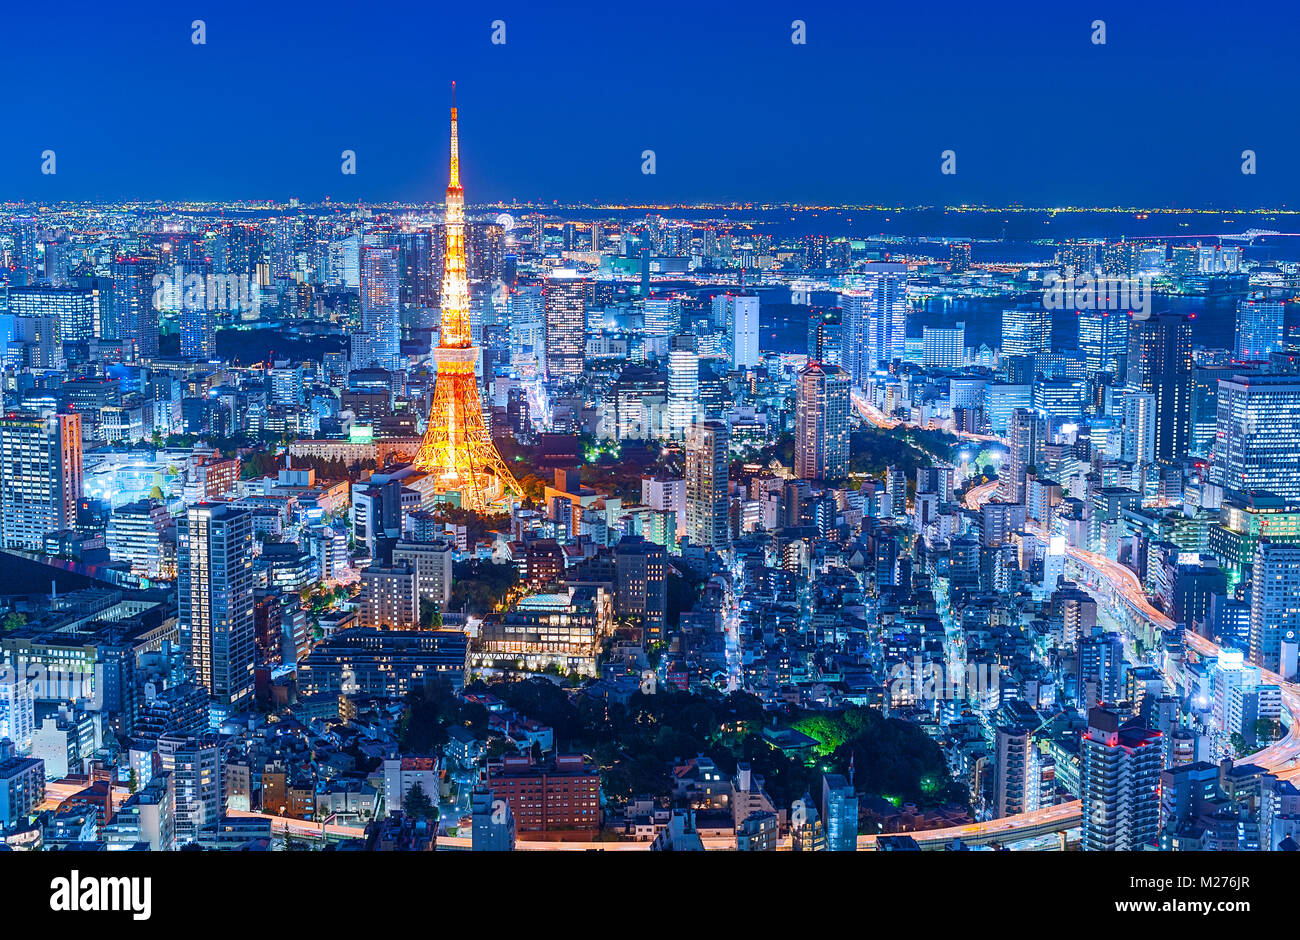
x=1036, y=113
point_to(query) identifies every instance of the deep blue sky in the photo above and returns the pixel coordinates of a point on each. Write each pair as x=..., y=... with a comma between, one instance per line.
x=734, y=111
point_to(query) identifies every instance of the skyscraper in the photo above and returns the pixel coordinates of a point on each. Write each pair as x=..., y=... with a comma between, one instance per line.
x=742, y=328
x=1026, y=331
x=1274, y=602
x=381, y=323
x=663, y=316
x=707, y=492
x=75, y=310
x=1259, y=327
x=683, y=387
x=133, y=311
x=1103, y=340
x=214, y=587
x=821, y=437
x=40, y=476
x=566, y=325
x=1257, y=435
x=1118, y=780
x=943, y=347
x=1160, y=362
x=1026, y=435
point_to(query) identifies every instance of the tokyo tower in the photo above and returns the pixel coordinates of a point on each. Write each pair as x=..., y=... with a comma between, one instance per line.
x=457, y=449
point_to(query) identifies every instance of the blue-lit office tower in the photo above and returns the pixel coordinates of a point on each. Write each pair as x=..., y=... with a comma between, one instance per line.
x=1160, y=362
x=821, y=436
x=133, y=310
x=663, y=316
x=24, y=236
x=380, y=309
x=737, y=315
x=1026, y=331
x=1255, y=443
x=282, y=249
x=839, y=813
x=887, y=327
x=1275, y=607
x=1259, y=328
x=41, y=476
x=708, y=500
x=1026, y=436
x=74, y=310
x=1103, y=340
x=214, y=587
x=1119, y=781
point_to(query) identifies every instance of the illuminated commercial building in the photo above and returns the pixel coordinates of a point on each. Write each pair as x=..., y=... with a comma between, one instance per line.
x=40, y=476
x=1103, y=340
x=387, y=663
x=1255, y=447
x=542, y=631
x=1243, y=522
x=821, y=437
x=1275, y=605
x=683, y=389
x=1260, y=325
x=566, y=325
x=379, y=343
x=1026, y=331
x=708, y=497
x=1160, y=363
x=214, y=589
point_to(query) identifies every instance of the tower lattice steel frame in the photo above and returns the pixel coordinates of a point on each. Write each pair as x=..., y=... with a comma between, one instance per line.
x=457, y=448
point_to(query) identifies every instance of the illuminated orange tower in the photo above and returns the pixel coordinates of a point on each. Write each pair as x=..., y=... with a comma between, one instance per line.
x=457, y=449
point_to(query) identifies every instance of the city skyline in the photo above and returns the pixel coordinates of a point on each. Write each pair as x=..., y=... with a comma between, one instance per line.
x=674, y=508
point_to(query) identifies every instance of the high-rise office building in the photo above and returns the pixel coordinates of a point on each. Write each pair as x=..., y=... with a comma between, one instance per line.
x=821, y=437
x=1260, y=325
x=742, y=329
x=1026, y=435
x=708, y=499
x=566, y=325
x=198, y=332
x=683, y=389
x=663, y=316
x=1138, y=437
x=1160, y=362
x=381, y=323
x=214, y=586
x=1026, y=331
x=134, y=314
x=1257, y=434
x=1103, y=340
x=641, y=585
x=943, y=347
x=40, y=476
x=76, y=311
x=1119, y=782
x=1274, y=603
x=875, y=321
